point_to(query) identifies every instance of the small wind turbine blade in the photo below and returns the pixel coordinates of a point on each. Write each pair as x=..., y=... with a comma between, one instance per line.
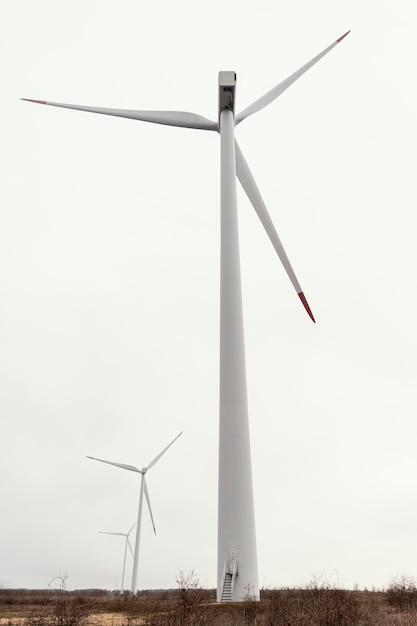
x=131, y=468
x=149, y=505
x=267, y=98
x=183, y=119
x=130, y=529
x=250, y=187
x=104, y=532
x=130, y=547
x=156, y=459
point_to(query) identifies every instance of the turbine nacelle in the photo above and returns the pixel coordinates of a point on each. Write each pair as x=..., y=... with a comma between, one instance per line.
x=227, y=87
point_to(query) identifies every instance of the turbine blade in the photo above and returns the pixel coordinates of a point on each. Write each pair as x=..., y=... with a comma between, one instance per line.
x=169, y=118
x=267, y=98
x=250, y=187
x=156, y=459
x=122, y=465
x=130, y=529
x=104, y=532
x=130, y=547
x=149, y=505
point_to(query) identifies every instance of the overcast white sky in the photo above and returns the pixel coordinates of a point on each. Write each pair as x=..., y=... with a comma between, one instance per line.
x=110, y=288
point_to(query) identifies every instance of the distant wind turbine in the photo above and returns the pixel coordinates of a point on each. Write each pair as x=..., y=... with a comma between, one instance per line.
x=237, y=566
x=143, y=490
x=127, y=544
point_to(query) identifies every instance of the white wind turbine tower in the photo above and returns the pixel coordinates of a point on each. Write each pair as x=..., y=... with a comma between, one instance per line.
x=143, y=491
x=237, y=569
x=127, y=545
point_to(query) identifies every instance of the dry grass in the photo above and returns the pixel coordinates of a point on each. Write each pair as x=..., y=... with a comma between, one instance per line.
x=313, y=605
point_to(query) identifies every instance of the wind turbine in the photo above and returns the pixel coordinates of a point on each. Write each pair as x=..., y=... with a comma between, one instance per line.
x=143, y=490
x=237, y=568
x=127, y=544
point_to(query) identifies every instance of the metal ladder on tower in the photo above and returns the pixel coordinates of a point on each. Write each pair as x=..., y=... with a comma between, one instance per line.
x=227, y=588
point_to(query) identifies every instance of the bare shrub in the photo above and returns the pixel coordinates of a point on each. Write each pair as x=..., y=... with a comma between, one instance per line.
x=317, y=604
x=401, y=593
x=279, y=607
x=132, y=612
x=63, y=611
x=189, y=607
x=324, y=604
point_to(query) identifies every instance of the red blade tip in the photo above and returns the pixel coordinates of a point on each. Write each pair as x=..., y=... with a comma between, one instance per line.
x=306, y=305
x=343, y=36
x=37, y=101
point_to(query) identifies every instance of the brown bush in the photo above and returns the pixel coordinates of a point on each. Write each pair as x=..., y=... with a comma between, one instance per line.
x=401, y=593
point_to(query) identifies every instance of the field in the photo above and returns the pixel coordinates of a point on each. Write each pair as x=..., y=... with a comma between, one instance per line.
x=313, y=605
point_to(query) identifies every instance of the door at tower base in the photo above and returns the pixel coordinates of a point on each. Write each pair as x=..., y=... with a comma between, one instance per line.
x=238, y=580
